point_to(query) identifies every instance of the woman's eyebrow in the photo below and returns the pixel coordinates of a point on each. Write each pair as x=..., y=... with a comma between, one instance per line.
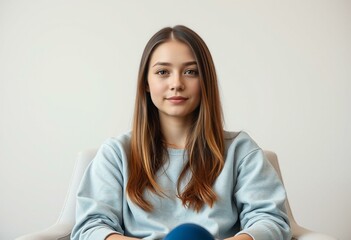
x=190, y=63
x=170, y=64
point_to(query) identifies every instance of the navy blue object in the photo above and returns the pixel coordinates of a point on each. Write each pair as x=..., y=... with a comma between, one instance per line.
x=189, y=231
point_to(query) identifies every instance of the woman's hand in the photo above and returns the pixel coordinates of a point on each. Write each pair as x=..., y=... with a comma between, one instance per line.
x=116, y=236
x=240, y=237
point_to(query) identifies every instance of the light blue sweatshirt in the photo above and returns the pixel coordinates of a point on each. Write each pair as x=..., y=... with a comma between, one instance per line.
x=250, y=196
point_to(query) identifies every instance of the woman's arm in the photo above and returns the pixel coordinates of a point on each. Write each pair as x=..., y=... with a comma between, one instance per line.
x=260, y=196
x=99, y=198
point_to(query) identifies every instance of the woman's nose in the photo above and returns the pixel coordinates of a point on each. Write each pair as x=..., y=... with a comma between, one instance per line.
x=177, y=83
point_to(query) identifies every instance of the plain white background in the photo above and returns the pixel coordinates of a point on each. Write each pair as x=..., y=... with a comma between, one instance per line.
x=67, y=82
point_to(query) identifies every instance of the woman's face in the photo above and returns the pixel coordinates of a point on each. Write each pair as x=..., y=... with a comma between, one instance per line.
x=173, y=80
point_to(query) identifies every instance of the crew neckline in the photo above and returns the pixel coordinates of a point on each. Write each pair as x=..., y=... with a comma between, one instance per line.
x=176, y=151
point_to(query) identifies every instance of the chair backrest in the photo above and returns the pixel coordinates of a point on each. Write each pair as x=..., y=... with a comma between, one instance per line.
x=68, y=211
x=273, y=159
x=84, y=158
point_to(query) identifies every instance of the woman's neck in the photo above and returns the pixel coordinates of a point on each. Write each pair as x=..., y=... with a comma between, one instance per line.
x=175, y=132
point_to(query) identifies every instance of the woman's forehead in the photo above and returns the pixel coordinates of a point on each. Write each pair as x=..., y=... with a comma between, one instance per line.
x=172, y=51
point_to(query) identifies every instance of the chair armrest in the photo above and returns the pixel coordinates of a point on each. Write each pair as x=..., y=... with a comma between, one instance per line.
x=301, y=233
x=58, y=231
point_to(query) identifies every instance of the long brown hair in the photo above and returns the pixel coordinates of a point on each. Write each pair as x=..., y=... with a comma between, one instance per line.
x=205, y=141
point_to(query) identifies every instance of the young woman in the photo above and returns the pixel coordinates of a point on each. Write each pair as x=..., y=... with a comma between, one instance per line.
x=178, y=174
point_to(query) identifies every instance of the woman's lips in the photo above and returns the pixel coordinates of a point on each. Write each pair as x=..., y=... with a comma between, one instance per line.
x=177, y=99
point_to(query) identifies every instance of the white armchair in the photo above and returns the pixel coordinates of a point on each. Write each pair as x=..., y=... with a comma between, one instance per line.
x=61, y=230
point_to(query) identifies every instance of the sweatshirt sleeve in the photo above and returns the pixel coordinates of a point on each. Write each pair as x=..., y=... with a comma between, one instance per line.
x=260, y=198
x=99, y=198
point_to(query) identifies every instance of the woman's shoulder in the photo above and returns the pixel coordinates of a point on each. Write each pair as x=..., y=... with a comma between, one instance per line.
x=119, y=143
x=240, y=142
x=235, y=136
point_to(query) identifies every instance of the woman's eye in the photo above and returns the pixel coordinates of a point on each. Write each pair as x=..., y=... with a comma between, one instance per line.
x=161, y=72
x=191, y=72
